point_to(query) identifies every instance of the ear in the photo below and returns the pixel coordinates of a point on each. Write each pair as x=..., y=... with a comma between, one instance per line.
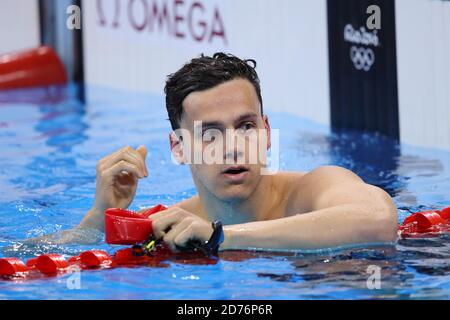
x=176, y=147
x=267, y=127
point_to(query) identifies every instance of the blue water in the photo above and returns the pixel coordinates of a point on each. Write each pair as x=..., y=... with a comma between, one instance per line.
x=49, y=146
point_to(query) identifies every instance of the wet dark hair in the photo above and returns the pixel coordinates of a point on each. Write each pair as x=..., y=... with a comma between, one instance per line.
x=203, y=73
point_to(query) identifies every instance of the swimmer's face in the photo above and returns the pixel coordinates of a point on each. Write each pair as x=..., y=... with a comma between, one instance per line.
x=226, y=124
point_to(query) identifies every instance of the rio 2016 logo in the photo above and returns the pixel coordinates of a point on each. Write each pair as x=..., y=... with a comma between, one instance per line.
x=361, y=55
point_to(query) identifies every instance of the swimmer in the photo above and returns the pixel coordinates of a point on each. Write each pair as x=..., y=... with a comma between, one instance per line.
x=327, y=207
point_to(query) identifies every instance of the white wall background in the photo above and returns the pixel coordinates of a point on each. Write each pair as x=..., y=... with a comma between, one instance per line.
x=288, y=39
x=19, y=25
x=423, y=67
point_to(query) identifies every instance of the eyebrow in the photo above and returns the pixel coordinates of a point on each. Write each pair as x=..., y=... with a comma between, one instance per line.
x=218, y=124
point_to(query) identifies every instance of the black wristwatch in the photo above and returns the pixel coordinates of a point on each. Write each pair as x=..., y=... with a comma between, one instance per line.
x=210, y=247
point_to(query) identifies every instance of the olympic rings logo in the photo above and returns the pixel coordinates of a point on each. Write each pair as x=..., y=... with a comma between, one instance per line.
x=362, y=58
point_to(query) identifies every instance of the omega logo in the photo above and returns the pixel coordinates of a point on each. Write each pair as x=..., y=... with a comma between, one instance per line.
x=181, y=19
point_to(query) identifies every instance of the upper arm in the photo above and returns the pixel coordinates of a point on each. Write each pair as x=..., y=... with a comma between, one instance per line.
x=336, y=186
x=330, y=186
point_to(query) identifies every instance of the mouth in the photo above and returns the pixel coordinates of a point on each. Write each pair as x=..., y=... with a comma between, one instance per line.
x=235, y=170
x=236, y=173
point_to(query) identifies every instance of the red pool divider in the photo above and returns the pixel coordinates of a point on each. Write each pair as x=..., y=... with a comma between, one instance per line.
x=51, y=263
x=54, y=264
x=128, y=227
x=36, y=67
x=95, y=258
x=121, y=227
x=445, y=213
x=48, y=264
x=122, y=224
x=431, y=222
x=12, y=266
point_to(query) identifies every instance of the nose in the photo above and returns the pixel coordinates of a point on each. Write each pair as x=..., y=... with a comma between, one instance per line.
x=233, y=150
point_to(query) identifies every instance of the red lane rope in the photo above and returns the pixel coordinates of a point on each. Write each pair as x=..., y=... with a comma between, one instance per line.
x=426, y=223
x=130, y=228
x=121, y=227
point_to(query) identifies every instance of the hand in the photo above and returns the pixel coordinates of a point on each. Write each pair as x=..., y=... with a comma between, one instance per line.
x=117, y=180
x=117, y=177
x=177, y=226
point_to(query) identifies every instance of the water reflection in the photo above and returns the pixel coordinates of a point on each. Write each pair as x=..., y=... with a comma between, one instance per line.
x=408, y=175
x=348, y=271
x=40, y=128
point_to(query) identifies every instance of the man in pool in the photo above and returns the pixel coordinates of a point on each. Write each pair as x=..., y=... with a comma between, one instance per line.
x=327, y=207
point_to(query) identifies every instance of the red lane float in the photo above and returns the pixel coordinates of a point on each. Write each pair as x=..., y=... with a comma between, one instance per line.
x=431, y=222
x=37, y=67
x=95, y=258
x=445, y=213
x=51, y=263
x=127, y=227
x=12, y=266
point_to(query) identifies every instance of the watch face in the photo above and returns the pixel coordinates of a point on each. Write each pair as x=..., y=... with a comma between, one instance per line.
x=217, y=226
x=221, y=237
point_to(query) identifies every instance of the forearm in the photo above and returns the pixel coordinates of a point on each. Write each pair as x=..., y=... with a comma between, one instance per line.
x=326, y=228
x=94, y=219
x=86, y=233
x=78, y=235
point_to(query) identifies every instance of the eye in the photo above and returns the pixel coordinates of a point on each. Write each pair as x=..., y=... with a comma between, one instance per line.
x=210, y=134
x=247, y=126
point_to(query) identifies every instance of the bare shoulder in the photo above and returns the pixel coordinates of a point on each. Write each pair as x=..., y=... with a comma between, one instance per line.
x=286, y=183
x=286, y=177
x=305, y=188
x=331, y=173
x=325, y=177
x=321, y=173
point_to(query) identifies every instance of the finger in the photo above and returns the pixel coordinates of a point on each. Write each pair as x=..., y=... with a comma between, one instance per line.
x=127, y=168
x=175, y=231
x=105, y=158
x=119, y=157
x=102, y=161
x=183, y=237
x=126, y=149
x=119, y=167
x=142, y=150
x=162, y=224
x=158, y=215
x=140, y=155
x=126, y=157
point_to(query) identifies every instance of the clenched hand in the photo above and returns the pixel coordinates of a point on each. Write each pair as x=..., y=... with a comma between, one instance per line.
x=116, y=183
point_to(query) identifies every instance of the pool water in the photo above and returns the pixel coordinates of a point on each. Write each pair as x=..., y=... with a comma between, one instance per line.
x=49, y=146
